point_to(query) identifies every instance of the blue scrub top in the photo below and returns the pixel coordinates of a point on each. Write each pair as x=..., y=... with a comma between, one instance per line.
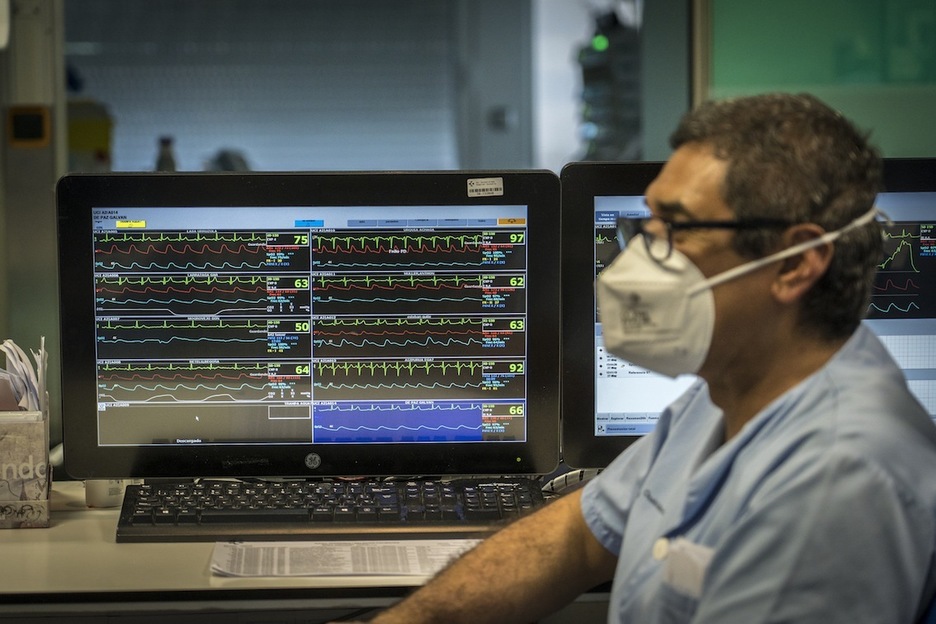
x=822, y=509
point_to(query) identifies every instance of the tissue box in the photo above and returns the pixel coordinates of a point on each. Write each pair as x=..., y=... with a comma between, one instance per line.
x=25, y=474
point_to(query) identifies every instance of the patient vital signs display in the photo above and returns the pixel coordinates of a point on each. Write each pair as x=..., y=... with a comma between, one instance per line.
x=308, y=324
x=902, y=285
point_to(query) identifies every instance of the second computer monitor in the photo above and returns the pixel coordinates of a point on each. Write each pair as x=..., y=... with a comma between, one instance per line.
x=609, y=403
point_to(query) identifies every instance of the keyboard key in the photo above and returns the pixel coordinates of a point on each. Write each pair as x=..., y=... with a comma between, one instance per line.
x=254, y=515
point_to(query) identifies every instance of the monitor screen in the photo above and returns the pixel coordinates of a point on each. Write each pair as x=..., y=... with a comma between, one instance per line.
x=608, y=403
x=309, y=324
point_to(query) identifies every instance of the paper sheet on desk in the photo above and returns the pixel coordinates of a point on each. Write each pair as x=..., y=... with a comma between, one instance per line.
x=337, y=558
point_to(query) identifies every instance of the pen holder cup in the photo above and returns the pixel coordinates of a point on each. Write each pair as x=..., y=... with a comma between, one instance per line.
x=25, y=473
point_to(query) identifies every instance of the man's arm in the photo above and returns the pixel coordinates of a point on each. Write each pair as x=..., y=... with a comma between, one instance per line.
x=528, y=569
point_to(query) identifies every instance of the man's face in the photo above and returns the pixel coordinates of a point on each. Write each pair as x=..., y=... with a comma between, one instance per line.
x=689, y=189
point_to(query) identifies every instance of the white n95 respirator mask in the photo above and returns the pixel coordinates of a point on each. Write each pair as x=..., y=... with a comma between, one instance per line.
x=660, y=314
x=648, y=316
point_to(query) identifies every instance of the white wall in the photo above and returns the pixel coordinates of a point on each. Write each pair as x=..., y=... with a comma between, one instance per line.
x=560, y=27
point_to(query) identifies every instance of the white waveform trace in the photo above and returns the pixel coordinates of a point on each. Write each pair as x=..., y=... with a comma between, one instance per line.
x=196, y=388
x=212, y=398
x=397, y=407
x=405, y=428
x=187, y=313
x=324, y=342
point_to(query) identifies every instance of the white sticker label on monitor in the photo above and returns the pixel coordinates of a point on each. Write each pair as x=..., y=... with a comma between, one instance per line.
x=485, y=187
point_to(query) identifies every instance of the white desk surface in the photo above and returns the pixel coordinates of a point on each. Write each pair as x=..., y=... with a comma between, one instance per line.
x=78, y=555
x=75, y=570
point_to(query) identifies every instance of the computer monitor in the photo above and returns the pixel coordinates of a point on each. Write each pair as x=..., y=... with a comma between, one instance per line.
x=309, y=324
x=609, y=403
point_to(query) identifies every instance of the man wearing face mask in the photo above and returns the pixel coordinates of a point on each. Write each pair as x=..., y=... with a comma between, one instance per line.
x=794, y=482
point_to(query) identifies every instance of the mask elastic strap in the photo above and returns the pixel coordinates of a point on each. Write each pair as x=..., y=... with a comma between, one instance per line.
x=744, y=269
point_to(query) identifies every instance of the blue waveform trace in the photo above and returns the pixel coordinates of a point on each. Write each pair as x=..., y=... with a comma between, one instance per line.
x=398, y=421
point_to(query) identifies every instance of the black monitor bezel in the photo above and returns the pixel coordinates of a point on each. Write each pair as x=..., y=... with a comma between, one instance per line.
x=77, y=194
x=581, y=183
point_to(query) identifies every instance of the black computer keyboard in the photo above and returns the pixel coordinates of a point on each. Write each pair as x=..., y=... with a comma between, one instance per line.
x=281, y=510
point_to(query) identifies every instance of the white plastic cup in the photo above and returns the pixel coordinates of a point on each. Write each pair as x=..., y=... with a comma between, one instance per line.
x=104, y=493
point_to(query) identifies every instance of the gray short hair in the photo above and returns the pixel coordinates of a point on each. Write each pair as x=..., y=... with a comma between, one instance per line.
x=793, y=157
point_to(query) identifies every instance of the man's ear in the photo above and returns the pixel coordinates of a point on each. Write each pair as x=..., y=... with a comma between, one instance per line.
x=800, y=272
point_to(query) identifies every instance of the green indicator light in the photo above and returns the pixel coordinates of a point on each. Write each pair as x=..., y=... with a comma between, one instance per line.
x=600, y=43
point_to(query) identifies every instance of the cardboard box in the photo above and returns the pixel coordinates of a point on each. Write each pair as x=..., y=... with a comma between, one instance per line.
x=25, y=474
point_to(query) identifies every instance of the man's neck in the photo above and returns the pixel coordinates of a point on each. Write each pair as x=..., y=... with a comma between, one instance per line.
x=760, y=376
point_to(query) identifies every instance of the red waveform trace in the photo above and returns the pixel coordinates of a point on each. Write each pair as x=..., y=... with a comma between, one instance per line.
x=890, y=285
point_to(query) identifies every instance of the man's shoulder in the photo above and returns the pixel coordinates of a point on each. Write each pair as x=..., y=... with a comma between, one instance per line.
x=858, y=410
x=867, y=392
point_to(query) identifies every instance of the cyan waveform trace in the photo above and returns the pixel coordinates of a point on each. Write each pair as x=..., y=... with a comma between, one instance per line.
x=892, y=307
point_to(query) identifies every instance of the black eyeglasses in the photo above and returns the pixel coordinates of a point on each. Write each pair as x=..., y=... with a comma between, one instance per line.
x=660, y=249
